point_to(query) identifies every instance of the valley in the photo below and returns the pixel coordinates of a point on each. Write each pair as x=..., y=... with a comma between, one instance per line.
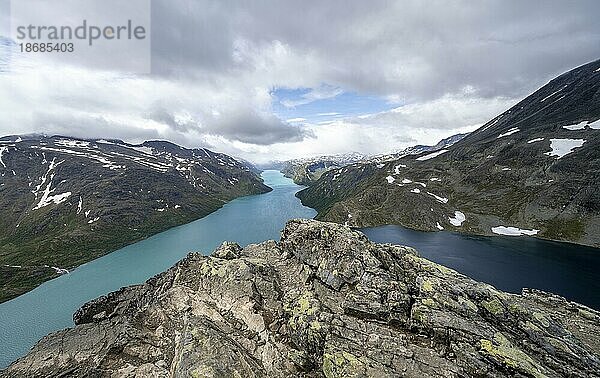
x=67, y=201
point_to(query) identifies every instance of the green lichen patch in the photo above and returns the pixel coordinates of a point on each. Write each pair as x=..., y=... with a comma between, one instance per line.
x=467, y=303
x=304, y=312
x=428, y=302
x=427, y=285
x=517, y=309
x=494, y=307
x=501, y=350
x=342, y=365
x=202, y=372
x=541, y=319
x=420, y=315
x=586, y=314
x=529, y=326
x=213, y=267
x=559, y=345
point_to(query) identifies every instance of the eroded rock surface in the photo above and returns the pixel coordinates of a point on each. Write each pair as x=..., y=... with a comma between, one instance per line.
x=323, y=302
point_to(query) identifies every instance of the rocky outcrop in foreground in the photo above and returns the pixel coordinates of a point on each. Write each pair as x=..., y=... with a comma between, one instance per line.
x=324, y=301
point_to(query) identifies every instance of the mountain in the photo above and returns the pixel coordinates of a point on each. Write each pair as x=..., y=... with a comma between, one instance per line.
x=531, y=170
x=309, y=170
x=416, y=150
x=306, y=171
x=322, y=302
x=66, y=201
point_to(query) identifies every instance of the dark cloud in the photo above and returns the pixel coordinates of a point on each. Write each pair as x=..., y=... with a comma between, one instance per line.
x=165, y=117
x=452, y=65
x=249, y=126
x=421, y=50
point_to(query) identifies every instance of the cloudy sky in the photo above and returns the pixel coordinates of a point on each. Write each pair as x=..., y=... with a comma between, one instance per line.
x=282, y=79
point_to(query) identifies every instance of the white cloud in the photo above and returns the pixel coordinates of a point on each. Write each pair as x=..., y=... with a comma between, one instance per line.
x=421, y=123
x=215, y=67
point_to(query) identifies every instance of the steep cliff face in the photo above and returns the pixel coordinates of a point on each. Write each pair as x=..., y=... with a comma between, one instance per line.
x=322, y=302
x=532, y=169
x=66, y=201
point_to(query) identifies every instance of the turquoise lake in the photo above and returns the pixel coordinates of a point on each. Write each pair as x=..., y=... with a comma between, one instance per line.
x=50, y=307
x=507, y=263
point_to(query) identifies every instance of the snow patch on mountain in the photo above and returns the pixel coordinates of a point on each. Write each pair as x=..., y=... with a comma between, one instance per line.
x=2, y=150
x=440, y=199
x=458, y=219
x=73, y=143
x=553, y=93
x=397, y=168
x=595, y=125
x=513, y=231
x=432, y=155
x=577, y=126
x=46, y=182
x=562, y=147
x=535, y=140
x=509, y=132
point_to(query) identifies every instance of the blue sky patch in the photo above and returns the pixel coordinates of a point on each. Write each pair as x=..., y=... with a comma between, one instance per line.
x=301, y=103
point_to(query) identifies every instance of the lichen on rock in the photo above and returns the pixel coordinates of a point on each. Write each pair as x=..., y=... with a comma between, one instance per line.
x=322, y=302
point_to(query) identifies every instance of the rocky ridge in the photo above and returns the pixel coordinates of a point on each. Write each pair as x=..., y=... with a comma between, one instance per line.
x=322, y=302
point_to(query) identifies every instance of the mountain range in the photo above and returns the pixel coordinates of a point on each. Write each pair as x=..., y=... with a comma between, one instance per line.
x=65, y=201
x=532, y=170
x=308, y=170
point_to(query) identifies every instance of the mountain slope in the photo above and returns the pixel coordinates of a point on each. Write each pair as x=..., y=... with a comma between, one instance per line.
x=533, y=169
x=307, y=171
x=416, y=150
x=66, y=201
x=322, y=302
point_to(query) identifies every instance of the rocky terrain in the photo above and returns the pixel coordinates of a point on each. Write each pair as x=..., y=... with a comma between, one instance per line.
x=532, y=170
x=322, y=302
x=66, y=201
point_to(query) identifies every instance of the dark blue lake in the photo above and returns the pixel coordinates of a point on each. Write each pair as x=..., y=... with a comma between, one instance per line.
x=508, y=263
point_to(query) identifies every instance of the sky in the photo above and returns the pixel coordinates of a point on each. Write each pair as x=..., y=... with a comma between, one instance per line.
x=285, y=79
